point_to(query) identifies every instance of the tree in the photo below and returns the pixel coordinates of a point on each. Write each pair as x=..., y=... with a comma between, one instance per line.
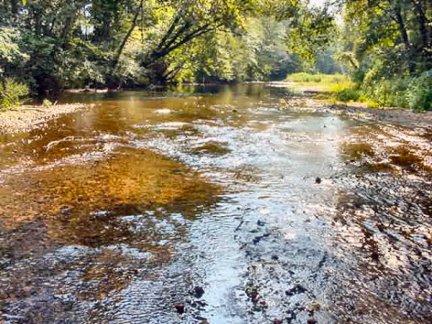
x=133, y=42
x=398, y=30
x=389, y=47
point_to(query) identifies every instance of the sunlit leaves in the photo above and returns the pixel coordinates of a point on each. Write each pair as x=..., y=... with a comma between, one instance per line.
x=310, y=33
x=9, y=48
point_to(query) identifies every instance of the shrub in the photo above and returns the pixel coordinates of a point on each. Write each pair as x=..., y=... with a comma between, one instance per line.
x=419, y=92
x=341, y=85
x=47, y=103
x=406, y=92
x=12, y=94
x=375, y=90
x=347, y=94
x=372, y=104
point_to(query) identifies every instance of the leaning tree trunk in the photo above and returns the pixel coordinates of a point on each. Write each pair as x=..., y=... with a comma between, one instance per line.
x=126, y=38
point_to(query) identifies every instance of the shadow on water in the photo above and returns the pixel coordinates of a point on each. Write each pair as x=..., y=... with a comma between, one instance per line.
x=112, y=216
x=82, y=203
x=218, y=201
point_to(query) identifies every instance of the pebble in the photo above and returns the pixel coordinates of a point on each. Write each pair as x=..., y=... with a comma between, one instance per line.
x=180, y=308
x=199, y=292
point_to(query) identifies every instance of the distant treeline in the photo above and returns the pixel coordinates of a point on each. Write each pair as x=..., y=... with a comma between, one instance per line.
x=57, y=44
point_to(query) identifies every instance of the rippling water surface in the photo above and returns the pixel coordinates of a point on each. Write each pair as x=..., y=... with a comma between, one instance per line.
x=122, y=213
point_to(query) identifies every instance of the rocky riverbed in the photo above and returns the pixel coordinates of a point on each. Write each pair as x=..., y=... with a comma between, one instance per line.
x=26, y=118
x=239, y=204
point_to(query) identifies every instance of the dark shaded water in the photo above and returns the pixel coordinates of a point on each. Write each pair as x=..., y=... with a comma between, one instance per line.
x=116, y=214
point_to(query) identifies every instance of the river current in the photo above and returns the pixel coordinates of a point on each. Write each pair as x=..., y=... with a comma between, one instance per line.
x=214, y=205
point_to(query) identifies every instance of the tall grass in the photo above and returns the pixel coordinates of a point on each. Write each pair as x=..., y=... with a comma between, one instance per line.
x=322, y=82
x=335, y=87
x=304, y=77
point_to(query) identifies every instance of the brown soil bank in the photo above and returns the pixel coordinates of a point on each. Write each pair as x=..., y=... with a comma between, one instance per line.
x=29, y=117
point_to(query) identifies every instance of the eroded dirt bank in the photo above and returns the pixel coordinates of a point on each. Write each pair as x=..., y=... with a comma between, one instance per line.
x=232, y=205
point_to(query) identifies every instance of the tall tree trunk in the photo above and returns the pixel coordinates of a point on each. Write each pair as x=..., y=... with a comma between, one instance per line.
x=402, y=27
x=423, y=23
x=14, y=6
x=410, y=55
x=126, y=38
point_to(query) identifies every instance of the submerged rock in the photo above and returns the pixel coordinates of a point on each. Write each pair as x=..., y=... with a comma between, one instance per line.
x=257, y=239
x=180, y=308
x=260, y=223
x=297, y=289
x=198, y=292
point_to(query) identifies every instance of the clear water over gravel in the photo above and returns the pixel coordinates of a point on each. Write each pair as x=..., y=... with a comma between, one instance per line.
x=214, y=205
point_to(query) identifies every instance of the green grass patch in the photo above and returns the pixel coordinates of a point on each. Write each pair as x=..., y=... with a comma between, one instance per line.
x=303, y=77
x=321, y=82
x=327, y=80
x=335, y=87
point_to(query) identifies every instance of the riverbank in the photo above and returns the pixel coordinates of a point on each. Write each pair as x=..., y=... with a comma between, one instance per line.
x=395, y=116
x=29, y=117
x=306, y=98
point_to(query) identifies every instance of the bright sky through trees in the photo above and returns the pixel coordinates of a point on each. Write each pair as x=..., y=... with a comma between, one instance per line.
x=317, y=3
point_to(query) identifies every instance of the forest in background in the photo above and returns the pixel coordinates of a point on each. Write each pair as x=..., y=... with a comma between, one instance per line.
x=384, y=46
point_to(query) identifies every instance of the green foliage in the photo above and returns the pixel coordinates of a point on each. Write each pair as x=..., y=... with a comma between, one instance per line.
x=384, y=45
x=331, y=79
x=10, y=52
x=47, y=103
x=305, y=77
x=327, y=62
x=387, y=92
x=387, y=46
x=57, y=44
x=419, y=92
x=347, y=95
x=338, y=86
x=258, y=52
x=407, y=92
x=310, y=33
x=12, y=94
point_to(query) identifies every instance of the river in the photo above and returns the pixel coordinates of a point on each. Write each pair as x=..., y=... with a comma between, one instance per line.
x=214, y=205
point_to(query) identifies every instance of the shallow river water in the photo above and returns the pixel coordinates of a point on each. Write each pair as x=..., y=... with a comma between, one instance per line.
x=214, y=205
